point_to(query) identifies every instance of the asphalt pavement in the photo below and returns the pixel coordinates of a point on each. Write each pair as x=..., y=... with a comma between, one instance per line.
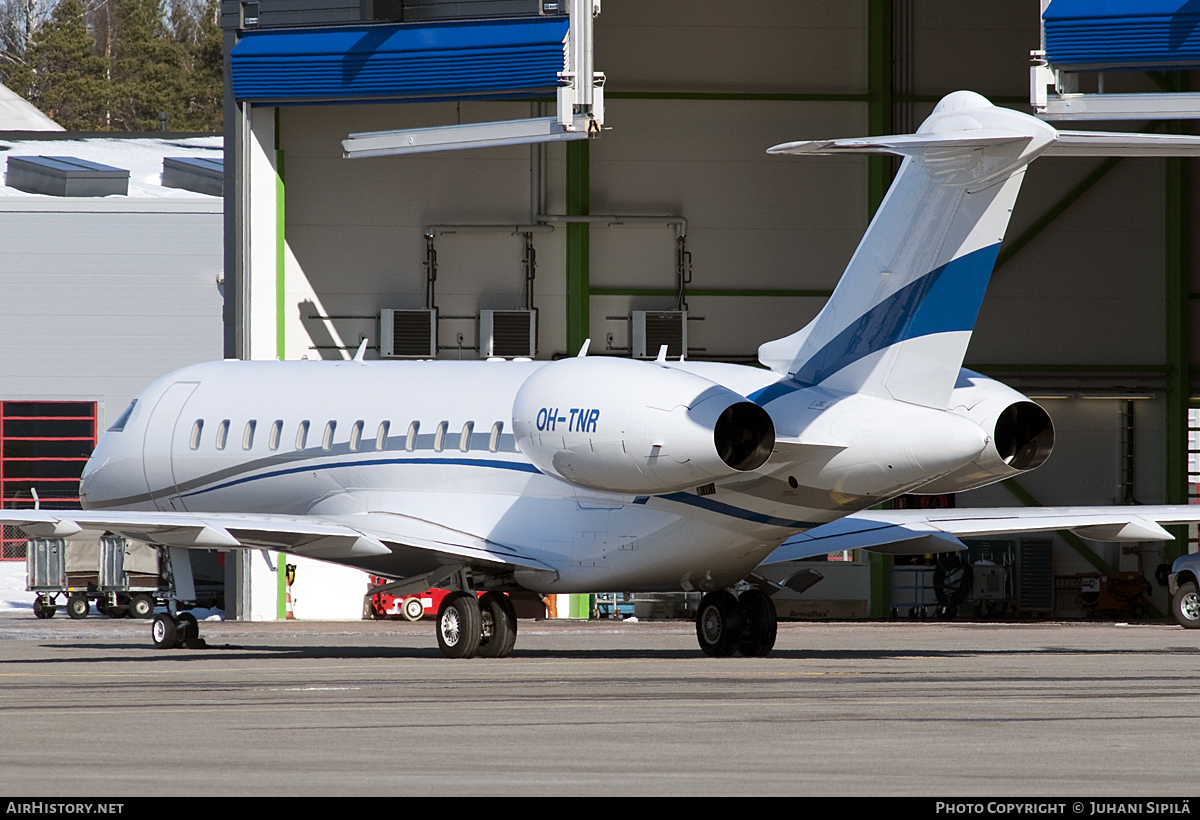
x=371, y=708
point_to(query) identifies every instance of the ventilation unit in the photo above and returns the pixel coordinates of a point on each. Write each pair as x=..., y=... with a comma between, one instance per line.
x=66, y=176
x=654, y=328
x=477, y=9
x=203, y=176
x=408, y=334
x=508, y=333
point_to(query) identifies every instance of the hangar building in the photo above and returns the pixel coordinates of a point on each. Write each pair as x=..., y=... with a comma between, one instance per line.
x=674, y=218
x=671, y=225
x=110, y=276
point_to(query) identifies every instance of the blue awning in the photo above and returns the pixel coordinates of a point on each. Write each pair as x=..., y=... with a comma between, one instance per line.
x=1122, y=34
x=460, y=59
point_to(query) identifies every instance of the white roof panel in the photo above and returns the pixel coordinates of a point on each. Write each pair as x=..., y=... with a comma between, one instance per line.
x=141, y=156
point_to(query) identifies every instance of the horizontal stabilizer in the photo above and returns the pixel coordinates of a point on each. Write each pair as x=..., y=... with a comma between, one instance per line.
x=902, y=144
x=1065, y=144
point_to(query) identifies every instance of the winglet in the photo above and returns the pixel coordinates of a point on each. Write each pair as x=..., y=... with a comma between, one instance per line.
x=583, y=350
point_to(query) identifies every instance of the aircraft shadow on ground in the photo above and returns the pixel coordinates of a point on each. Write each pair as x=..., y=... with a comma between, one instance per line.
x=118, y=653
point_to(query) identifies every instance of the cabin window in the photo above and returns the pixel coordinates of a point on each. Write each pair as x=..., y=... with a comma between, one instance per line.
x=123, y=419
x=356, y=435
x=494, y=441
x=197, y=429
x=327, y=441
x=248, y=436
x=464, y=441
x=410, y=443
x=439, y=438
x=381, y=436
x=222, y=434
x=302, y=435
x=276, y=434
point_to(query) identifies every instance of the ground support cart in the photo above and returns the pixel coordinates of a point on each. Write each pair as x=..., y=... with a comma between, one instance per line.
x=121, y=576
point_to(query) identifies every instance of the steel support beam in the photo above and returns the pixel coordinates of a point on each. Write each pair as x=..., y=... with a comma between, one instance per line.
x=879, y=177
x=765, y=294
x=280, y=246
x=1055, y=211
x=578, y=284
x=1177, y=342
x=879, y=97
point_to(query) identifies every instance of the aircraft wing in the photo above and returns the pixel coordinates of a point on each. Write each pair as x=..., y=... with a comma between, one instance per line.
x=334, y=538
x=915, y=532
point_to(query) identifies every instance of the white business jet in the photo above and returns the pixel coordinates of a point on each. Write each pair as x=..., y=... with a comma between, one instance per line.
x=591, y=473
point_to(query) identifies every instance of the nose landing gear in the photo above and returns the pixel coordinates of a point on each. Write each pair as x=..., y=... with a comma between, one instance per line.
x=176, y=631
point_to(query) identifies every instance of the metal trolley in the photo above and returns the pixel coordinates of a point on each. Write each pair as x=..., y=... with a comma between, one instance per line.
x=121, y=576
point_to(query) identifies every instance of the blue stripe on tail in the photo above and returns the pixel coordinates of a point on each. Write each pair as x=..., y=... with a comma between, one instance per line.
x=943, y=300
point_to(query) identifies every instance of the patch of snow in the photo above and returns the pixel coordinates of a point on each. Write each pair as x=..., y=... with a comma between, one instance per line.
x=13, y=595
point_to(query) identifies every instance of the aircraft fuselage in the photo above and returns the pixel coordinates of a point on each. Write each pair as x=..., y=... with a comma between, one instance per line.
x=434, y=442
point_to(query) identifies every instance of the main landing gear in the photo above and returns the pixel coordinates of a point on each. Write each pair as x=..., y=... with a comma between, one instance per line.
x=745, y=624
x=484, y=627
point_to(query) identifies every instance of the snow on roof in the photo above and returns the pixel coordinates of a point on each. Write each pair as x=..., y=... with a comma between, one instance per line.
x=141, y=156
x=18, y=114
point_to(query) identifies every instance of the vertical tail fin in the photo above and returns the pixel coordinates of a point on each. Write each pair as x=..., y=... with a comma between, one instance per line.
x=899, y=321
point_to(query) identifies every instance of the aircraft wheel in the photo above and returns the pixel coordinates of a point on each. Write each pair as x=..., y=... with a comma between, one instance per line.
x=413, y=609
x=78, y=607
x=1185, y=606
x=189, y=629
x=141, y=606
x=718, y=624
x=43, y=609
x=498, y=626
x=164, y=631
x=458, y=625
x=759, y=624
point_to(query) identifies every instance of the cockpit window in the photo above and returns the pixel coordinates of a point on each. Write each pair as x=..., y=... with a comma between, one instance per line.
x=123, y=419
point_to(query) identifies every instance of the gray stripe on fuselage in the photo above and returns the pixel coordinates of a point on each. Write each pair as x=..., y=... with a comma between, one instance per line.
x=229, y=475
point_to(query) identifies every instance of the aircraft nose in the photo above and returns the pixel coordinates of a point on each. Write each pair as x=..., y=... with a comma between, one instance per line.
x=107, y=474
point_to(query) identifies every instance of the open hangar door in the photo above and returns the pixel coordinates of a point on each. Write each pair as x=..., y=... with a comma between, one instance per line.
x=690, y=116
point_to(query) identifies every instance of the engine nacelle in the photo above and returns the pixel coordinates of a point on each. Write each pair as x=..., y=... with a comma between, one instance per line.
x=627, y=426
x=1020, y=434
